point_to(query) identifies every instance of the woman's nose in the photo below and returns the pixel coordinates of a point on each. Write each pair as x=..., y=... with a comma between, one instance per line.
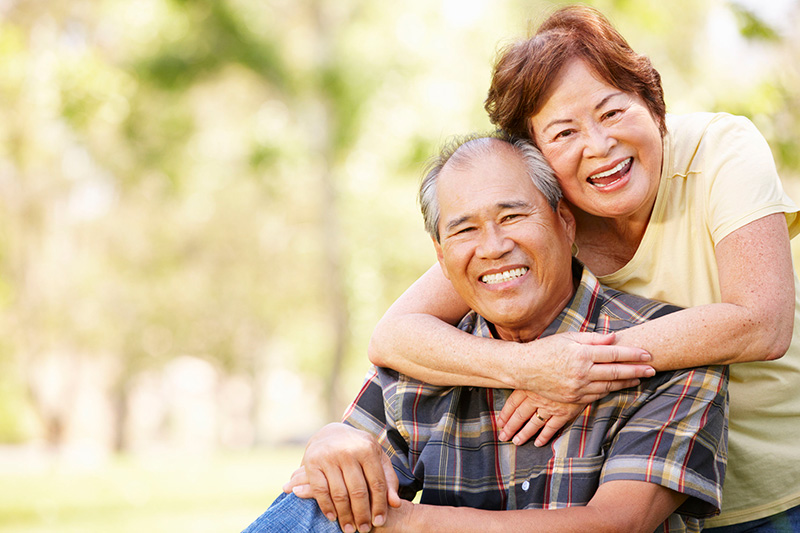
x=599, y=141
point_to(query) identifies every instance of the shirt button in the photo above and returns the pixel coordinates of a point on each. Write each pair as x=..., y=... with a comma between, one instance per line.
x=526, y=485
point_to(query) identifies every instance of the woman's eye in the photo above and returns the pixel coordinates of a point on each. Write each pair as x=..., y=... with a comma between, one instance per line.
x=612, y=113
x=562, y=134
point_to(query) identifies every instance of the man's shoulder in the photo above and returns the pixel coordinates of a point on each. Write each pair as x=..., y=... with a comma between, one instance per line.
x=620, y=310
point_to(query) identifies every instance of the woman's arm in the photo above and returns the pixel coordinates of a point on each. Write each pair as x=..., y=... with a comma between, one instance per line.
x=416, y=336
x=754, y=322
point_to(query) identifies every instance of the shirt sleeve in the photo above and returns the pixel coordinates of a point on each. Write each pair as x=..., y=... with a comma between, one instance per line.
x=676, y=437
x=374, y=411
x=739, y=174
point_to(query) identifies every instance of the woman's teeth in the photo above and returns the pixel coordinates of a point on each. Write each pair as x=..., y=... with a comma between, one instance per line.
x=491, y=279
x=594, y=179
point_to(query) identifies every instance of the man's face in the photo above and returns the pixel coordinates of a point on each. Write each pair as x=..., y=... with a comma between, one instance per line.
x=504, y=249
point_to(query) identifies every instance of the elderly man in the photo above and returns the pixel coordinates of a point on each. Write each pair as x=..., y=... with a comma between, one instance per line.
x=651, y=457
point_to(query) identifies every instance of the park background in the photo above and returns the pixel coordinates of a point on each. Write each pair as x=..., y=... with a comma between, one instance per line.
x=206, y=206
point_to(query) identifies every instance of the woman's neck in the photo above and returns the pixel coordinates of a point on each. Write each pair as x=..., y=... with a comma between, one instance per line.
x=607, y=244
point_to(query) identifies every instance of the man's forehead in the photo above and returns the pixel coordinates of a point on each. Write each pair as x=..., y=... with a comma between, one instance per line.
x=493, y=181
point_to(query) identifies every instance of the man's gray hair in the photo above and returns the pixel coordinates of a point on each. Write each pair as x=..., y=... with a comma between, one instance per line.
x=460, y=151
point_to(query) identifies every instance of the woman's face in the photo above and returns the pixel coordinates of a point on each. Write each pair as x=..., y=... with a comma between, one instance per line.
x=603, y=143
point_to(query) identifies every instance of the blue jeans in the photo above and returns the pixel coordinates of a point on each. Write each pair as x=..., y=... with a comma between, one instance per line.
x=785, y=522
x=288, y=513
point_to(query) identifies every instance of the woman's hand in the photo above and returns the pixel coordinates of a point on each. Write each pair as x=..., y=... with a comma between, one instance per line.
x=526, y=413
x=578, y=368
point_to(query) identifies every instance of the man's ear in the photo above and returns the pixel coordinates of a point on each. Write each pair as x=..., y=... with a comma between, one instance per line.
x=440, y=257
x=567, y=219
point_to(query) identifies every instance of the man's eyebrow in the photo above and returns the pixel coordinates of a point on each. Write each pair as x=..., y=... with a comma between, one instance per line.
x=457, y=222
x=511, y=204
x=600, y=104
x=514, y=204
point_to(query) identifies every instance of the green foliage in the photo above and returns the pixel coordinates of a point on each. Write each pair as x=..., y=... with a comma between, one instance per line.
x=751, y=26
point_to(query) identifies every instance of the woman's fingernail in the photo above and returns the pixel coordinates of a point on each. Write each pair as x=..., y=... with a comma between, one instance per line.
x=379, y=520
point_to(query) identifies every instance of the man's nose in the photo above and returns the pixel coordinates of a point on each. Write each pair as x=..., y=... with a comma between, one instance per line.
x=494, y=243
x=599, y=141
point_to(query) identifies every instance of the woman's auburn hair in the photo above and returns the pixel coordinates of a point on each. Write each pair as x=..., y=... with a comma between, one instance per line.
x=525, y=70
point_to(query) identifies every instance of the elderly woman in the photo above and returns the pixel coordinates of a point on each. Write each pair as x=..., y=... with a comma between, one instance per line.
x=684, y=209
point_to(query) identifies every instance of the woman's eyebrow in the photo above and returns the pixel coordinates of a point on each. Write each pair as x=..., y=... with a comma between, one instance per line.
x=600, y=104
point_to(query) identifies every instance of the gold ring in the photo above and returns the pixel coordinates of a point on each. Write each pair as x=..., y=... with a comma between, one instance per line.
x=540, y=417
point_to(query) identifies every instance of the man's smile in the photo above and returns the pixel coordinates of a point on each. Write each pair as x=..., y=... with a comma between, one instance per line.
x=507, y=275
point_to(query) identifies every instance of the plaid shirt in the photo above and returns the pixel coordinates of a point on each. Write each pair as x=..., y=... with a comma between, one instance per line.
x=670, y=430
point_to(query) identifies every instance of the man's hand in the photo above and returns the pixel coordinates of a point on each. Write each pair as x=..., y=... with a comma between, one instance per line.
x=578, y=367
x=526, y=413
x=349, y=475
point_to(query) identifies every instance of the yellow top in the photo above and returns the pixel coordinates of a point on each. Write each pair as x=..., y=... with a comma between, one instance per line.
x=718, y=175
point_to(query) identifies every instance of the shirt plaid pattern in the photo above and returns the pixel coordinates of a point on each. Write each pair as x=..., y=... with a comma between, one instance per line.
x=670, y=430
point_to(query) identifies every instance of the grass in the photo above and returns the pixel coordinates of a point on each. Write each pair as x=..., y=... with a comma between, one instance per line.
x=221, y=493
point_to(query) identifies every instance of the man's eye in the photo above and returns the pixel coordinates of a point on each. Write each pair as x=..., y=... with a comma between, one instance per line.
x=510, y=217
x=464, y=230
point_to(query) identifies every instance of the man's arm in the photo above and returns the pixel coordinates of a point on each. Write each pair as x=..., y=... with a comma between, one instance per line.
x=630, y=506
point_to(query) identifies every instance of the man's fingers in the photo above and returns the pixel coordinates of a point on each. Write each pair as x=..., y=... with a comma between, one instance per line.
x=340, y=498
x=358, y=504
x=392, y=483
x=303, y=491
x=299, y=477
x=375, y=474
x=323, y=488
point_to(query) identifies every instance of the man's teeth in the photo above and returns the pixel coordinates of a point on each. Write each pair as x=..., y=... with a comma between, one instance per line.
x=611, y=171
x=491, y=279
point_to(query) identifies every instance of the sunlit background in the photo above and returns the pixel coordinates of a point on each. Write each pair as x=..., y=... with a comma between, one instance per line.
x=206, y=205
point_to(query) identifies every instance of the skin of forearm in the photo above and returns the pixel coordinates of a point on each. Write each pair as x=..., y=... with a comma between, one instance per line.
x=626, y=505
x=436, y=519
x=438, y=353
x=722, y=333
x=711, y=334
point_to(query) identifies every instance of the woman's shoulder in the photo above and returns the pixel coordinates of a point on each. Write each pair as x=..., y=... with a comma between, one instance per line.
x=689, y=128
x=707, y=137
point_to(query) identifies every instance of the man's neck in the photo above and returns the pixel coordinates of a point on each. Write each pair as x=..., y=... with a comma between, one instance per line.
x=534, y=330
